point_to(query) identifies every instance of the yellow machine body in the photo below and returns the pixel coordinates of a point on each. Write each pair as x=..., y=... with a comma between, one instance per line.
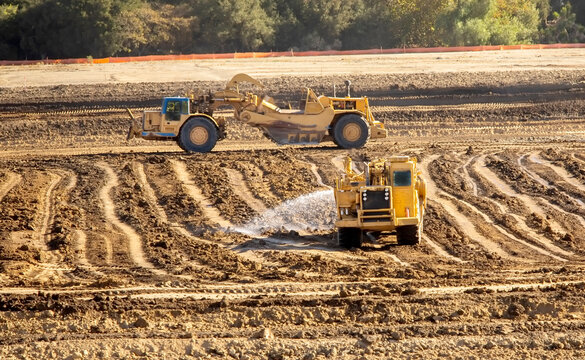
x=347, y=121
x=388, y=196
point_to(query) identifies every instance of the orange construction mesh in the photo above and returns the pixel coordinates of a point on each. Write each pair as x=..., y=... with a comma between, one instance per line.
x=250, y=55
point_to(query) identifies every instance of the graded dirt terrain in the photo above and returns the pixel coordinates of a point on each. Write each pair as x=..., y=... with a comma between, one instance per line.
x=111, y=249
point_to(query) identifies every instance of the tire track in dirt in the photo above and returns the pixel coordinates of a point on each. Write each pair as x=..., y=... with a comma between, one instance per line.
x=52, y=267
x=293, y=289
x=527, y=231
x=80, y=249
x=196, y=194
x=481, y=169
x=499, y=288
x=531, y=173
x=188, y=233
x=315, y=171
x=13, y=180
x=259, y=188
x=135, y=250
x=464, y=223
x=48, y=211
x=468, y=178
x=579, y=157
x=566, y=178
x=138, y=169
x=215, y=291
x=528, y=201
x=108, y=249
x=236, y=180
x=151, y=198
x=438, y=249
x=446, y=107
x=562, y=173
x=79, y=236
x=503, y=231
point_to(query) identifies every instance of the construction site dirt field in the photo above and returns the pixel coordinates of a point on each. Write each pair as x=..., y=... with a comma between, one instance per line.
x=115, y=249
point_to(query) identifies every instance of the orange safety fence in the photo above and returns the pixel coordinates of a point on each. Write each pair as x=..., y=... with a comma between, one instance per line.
x=251, y=55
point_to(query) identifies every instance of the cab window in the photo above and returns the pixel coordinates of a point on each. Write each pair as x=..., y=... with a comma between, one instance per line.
x=401, y=178
x=174, y=109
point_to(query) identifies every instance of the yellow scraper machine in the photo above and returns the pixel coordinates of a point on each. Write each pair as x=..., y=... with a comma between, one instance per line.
x=190, y=121
x=388, y=196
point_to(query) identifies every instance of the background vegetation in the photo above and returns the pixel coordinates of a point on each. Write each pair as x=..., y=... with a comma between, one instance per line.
x=37, y=29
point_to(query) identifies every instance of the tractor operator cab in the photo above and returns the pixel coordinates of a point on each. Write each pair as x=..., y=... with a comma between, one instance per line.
x=402, y=176
x=163, y=124
x=174, y=107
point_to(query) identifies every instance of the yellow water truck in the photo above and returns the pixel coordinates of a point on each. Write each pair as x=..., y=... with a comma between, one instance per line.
x=388, y=196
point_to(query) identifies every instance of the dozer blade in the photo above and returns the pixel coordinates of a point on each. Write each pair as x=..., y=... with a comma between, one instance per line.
x=131, y=134
x=134, y=129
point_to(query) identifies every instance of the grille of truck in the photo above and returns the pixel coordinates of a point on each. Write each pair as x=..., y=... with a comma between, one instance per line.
x=376, y=205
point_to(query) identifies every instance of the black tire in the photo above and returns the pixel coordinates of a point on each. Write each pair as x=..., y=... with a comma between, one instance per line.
x=408, y=235
x=350, y=131
x=333, y=137
x=198, y=134
x=181, y=144
x=349, y=237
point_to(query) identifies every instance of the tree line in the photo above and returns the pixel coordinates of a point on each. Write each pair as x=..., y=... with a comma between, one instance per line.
x=38, y=29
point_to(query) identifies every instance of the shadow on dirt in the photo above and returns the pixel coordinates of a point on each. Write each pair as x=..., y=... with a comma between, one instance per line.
x=291, y=241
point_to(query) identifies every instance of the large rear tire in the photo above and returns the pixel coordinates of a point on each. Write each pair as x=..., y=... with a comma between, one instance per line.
x=198, y=134
x=351, y=131
x=349, y=237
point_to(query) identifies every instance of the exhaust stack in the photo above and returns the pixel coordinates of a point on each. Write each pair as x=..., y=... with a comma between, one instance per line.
x=347, y=88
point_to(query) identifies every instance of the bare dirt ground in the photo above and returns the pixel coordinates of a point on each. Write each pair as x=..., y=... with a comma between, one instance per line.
x=111, y=249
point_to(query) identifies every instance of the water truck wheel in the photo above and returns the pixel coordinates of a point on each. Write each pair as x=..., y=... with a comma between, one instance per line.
x=349, y=237
x=408, y=235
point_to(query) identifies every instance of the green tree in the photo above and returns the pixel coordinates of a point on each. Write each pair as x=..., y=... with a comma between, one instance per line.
x=78, y=28
x=327, y=20
x=314, y=25
x=9, y=40
x=563, y=27
x=579, y=8
x=372, y=27
x=395, y=23
x=544, y=8
x=71, y=28
x=489, y=22
x=156, y=29
x=232, y=25
x=418, y=21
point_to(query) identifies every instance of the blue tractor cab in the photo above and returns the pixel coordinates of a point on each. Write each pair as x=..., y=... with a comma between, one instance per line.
x=174, y=107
